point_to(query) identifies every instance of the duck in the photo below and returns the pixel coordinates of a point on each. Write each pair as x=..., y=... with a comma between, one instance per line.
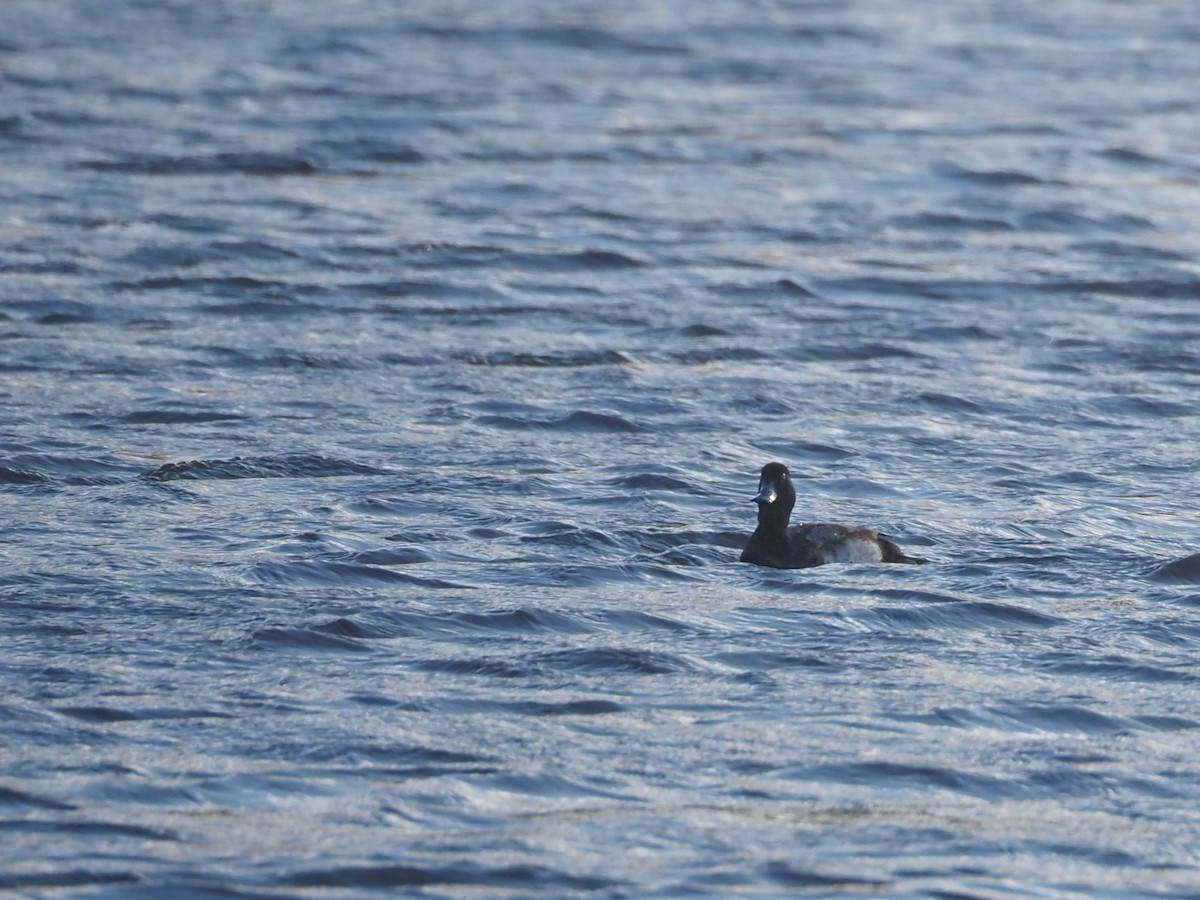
x=810, y=544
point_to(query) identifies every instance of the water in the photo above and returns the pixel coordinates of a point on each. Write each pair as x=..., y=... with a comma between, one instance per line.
x=383, y=391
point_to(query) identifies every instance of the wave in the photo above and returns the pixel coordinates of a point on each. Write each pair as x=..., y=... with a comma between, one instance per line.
x=1181, y=571
x=47, y=469
x=578, y=421
x=338, y=572
x=515, y=877
x=177, y=417
x=110, y=714
x=615, y=659
x=241, y=163
x=11, y=797
x=67, y=878
x=563, y=360
x=296, y=465
x=976, y=614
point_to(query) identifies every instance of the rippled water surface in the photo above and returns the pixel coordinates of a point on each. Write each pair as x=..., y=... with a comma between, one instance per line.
x=383, y=387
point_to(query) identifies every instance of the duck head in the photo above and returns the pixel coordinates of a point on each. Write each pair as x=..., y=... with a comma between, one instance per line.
x=776, y=496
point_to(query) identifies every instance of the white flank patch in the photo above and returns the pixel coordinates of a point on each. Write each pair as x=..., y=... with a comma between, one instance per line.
x=854, y=551
x=839, y=547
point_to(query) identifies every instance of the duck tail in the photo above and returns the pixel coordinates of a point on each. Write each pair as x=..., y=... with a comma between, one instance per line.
x=893, y=554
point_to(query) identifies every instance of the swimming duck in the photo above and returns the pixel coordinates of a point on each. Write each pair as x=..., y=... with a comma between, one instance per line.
x=810, y=544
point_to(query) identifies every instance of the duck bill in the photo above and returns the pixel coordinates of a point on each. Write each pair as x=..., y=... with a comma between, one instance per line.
x=766, y=494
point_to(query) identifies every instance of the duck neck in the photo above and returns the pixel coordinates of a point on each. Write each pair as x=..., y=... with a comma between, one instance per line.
x=773, y=519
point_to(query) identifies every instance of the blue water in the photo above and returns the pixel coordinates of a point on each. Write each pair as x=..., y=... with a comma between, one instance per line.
x=382, y=392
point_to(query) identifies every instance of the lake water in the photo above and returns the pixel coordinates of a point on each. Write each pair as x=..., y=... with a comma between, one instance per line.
x=382, y=392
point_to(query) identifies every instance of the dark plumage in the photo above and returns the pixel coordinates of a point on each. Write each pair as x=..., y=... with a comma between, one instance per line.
x=810, y=544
